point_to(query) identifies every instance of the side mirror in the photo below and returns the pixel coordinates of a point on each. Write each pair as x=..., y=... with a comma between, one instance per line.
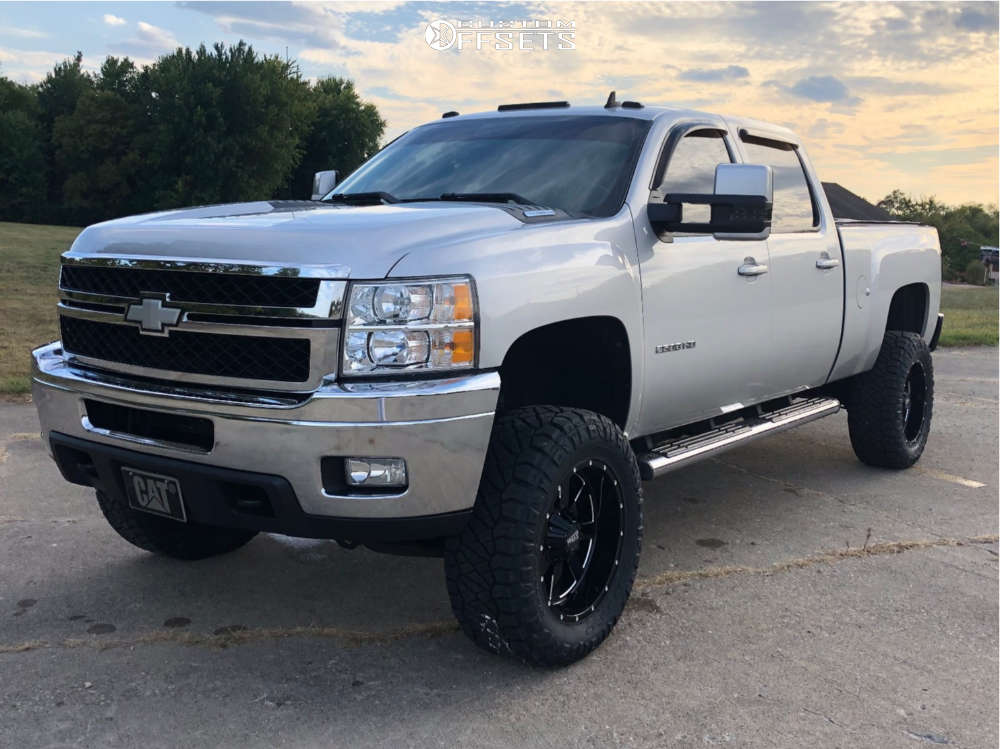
x=323, y=182
x=740, y=206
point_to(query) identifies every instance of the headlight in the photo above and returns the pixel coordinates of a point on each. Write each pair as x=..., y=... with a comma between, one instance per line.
x=424, y=325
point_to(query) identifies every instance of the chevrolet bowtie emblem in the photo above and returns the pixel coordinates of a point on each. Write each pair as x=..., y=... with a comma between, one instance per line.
x=152, y=316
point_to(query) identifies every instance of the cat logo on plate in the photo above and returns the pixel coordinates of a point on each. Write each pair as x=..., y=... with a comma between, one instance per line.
x=150, y=492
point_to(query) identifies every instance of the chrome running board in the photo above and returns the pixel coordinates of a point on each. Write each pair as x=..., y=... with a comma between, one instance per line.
x=679, y=451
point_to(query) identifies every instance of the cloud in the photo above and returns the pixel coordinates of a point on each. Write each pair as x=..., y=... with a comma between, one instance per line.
x=714, y=75
x=311, y=25
x=821, y=88
x=148, y=40
x=889, y=87
x=30, y=65
x=22, y=33
x=827, y=91
x=852, y=78
x=154, y=36
x=929, y=158
x=112, y=20
x=824, y=128
x=975, y=19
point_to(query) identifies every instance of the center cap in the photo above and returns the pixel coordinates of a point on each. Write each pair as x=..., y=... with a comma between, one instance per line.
x=573, y=539
x=563, y=536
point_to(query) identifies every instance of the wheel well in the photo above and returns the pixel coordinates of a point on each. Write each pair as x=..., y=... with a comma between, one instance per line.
x=908, y=309
x=582, y=363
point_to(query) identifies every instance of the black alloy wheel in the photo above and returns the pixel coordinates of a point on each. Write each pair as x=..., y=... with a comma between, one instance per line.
x=545, y=565
x=914, y=403
x=889, y=407
x=583, y=540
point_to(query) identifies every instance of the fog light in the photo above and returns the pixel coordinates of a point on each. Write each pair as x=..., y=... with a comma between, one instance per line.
x=375, y=472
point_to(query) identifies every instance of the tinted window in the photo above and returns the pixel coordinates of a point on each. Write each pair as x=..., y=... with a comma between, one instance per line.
x=793, y=208
x=691, y=167
x=582, y=165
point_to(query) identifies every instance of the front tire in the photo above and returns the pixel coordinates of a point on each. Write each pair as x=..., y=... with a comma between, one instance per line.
x=890, y=406
x=169, y=537
x=546, y=564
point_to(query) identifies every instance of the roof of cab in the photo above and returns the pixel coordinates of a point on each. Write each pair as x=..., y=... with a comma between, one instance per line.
x=645, y=113
x=752, y=126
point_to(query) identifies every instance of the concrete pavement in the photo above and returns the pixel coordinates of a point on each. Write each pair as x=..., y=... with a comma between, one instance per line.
x=788, y=596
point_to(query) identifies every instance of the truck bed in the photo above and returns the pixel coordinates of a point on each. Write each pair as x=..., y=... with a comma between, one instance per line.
x=880, y=258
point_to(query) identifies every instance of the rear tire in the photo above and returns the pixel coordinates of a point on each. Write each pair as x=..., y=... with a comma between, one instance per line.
x=890, y=406
x=546, y=564
x=169, y=537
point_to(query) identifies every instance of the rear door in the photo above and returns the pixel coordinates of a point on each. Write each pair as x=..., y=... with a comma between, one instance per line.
x=806, y=270
x=707, y=333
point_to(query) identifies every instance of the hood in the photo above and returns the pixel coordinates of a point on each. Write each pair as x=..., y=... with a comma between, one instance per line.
x=364, y=241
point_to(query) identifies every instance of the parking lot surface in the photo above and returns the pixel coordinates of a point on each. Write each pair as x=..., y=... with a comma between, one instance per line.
x=788, y=596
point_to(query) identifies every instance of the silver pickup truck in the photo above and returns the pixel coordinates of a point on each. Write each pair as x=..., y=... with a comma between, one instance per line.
x=479, y=345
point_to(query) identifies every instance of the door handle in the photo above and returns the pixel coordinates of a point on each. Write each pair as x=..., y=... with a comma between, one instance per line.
x=826, y=262
x=751, y=267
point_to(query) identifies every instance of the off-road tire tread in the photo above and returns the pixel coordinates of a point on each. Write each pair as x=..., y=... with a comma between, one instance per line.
x=169, y=537
x=489, y=567
x=873, y=417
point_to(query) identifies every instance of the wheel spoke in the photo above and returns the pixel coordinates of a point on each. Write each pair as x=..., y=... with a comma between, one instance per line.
x=552, y=581
x=582, y=540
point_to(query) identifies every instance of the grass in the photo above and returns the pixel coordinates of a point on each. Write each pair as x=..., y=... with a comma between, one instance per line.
x=970, y=315
x=29, y=264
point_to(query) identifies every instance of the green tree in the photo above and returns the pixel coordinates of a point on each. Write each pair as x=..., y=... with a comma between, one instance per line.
x=16, y=96
x=22, y=168
x=22, y=156
x=222, y=125
x=58, y=95
x=962, y=229
x=345, y=132
x=196, y=126
x=96, y=147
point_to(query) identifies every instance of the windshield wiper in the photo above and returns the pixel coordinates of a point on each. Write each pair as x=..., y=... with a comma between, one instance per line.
x=362, y=198
x=486, y=197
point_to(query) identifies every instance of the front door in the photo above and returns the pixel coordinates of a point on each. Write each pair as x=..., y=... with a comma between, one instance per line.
x=706, y=303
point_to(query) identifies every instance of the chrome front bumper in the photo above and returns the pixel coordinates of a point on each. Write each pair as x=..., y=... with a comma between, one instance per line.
x=441, y=427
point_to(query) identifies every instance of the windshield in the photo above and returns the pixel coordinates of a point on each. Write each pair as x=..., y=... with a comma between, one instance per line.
x=581, y=165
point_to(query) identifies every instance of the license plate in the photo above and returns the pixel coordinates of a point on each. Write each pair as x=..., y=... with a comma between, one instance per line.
x=151, y=492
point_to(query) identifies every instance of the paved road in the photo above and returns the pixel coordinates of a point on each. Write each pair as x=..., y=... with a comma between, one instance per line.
x=759, y=620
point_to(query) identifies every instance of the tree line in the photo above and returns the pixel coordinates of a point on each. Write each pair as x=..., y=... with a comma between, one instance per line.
x=195, y=127
x=962, y=229
x=226, y=124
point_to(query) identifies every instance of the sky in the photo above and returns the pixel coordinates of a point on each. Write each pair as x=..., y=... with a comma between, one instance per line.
x=883, y=95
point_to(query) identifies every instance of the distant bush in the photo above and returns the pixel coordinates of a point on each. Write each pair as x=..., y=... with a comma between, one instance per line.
x=195, y=127
x=975, y=273
x=948, y=272
x=962, y=229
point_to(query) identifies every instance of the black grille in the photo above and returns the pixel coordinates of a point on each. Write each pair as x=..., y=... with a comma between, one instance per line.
x=191, y=286
x=182, y=430
x=245, y=357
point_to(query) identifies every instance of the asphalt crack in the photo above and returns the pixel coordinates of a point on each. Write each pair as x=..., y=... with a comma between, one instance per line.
x=228, y=636
x=826, y=557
